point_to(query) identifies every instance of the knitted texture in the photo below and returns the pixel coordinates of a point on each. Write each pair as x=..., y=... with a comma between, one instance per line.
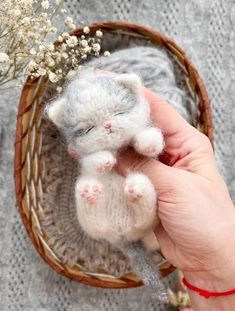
x=146, y=269
x=59, y=219
x=206, y=30
x=97, y=129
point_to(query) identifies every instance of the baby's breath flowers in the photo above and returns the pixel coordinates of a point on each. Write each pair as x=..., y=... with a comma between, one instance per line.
x=4, y=59
x=179, y=299
x=107, y=53
x=86, y=30
x=45, y=4
x=26, y=27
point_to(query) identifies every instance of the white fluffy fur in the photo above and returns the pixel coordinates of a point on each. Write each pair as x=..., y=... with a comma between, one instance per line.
x=99, y=115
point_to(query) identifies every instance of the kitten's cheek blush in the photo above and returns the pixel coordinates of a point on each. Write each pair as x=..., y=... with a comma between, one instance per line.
x=72, y=153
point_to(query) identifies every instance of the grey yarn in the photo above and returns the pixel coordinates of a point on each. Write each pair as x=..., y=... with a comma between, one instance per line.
x=145, y=268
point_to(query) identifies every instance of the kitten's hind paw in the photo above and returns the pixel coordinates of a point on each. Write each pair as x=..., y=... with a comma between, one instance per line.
x=133, y=192
x=90, y=192
x=142, y=198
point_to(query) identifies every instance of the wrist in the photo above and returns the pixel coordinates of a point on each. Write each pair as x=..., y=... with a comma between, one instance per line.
x=211, y=282
x=218, y=277
x=208, y=283
x=219, y=268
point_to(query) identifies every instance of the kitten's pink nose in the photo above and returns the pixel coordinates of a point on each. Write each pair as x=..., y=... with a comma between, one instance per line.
x=107, y=125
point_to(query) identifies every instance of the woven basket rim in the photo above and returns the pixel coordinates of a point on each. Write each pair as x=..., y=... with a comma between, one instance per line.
x=157, y=38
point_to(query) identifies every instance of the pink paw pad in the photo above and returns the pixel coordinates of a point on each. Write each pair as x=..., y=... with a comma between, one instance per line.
x=91, y=193
x=152, y=151
x=106, y=167
x=132, y=194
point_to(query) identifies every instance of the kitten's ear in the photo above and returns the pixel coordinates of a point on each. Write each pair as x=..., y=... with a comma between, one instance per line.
x=55, y=111
x=131, y=81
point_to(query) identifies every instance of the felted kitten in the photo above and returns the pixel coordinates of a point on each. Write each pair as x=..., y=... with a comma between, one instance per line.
x=99, y=115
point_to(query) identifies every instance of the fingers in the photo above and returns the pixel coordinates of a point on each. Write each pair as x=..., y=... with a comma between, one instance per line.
x=179, y=134
x=185, y=146
x=167, y=245
x=163, y=177
x=166, y=117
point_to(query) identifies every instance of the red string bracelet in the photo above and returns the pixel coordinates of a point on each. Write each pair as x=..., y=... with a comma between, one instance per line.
x=206, y=293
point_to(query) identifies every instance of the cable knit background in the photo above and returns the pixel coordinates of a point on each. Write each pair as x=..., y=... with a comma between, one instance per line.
x=206, y=30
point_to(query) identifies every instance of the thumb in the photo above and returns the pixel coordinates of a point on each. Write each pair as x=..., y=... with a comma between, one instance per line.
x=163, y=177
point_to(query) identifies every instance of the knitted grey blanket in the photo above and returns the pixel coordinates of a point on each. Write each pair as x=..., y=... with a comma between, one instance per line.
x=206, y=30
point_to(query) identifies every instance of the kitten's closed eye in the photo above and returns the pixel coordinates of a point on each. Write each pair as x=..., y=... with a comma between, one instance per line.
x=119, y=113
x=81, y=132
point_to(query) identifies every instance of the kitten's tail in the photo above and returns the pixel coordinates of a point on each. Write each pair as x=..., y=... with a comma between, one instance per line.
x=145, y=268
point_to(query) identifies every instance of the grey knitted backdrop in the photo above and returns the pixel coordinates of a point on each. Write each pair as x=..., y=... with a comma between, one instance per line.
x=206, y=30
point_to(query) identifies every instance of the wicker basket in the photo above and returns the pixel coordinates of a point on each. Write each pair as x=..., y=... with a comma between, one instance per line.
x=28, y=166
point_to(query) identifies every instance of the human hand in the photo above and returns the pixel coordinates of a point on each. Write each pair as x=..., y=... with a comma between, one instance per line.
x=197, y=215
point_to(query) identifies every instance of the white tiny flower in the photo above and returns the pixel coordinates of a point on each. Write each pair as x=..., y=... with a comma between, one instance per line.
x=60, y=39
x=84, y=43
x=53, y=77
x=72, y=41
x=45, y=4
x=64, y=55
x=33, y=51
x=96, y=47
x=26, y=20
x=72, y=26
x=53, y=30
x=51, y=62
x=4, y=58
x=86, y=29
x=63, y=11
x=32, y=66
x=41, y=71
x=44, y=15
x=68, y=20
x=29, y=2
x=16, y=12
x=58, y=57
x=65, y=35
x=106, y=53
x=84, y=56
x=87, y=49
x=41, y=48
x=63, y=46
x=48, y=23
x=59, y=89
x=99, y=34
x=71, y=74
x=172, y=298
x=50, y=46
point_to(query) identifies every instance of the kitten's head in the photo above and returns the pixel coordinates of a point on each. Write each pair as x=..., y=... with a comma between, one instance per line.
x=98, y=112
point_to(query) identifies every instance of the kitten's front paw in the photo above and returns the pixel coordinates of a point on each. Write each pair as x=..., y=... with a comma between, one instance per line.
x=98, y=163
x=149, y=142
x=107, y=162
x=151, y=151
x=90, y=192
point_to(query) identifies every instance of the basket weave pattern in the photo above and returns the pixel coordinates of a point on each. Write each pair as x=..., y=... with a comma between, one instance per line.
x=29, y=171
